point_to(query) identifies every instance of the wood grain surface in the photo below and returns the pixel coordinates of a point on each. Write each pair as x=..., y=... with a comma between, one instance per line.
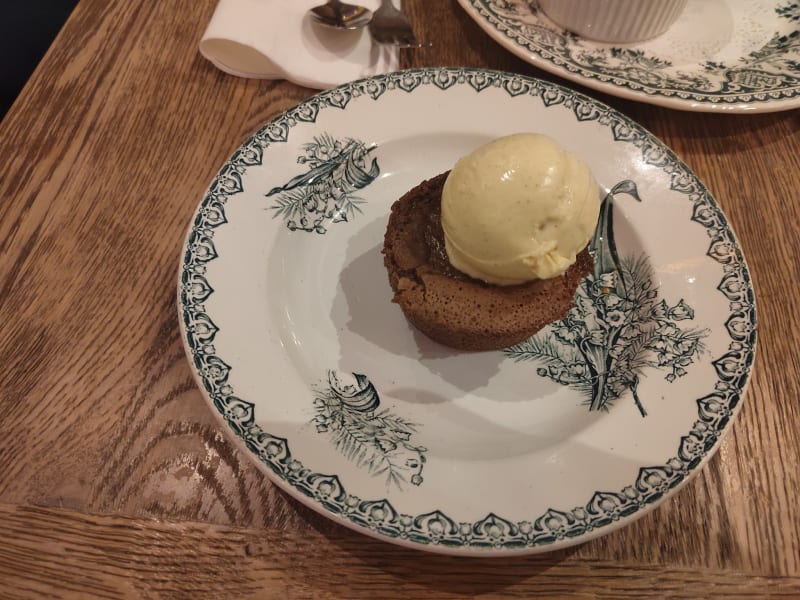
x=116, y=479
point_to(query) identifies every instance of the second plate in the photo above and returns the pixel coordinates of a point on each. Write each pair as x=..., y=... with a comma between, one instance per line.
x=720, y=56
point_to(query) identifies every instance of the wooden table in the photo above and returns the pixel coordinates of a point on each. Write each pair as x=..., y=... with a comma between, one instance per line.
x=115, y=478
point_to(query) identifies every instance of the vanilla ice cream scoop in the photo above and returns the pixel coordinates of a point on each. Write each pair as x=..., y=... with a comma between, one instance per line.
x=518, y=208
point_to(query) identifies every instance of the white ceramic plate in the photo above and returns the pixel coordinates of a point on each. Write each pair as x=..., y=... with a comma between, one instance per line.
x=286, y=315
x=721, y=55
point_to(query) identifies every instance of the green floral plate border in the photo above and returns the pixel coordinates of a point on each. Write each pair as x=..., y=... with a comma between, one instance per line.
x=492, y=535
x=765, y=79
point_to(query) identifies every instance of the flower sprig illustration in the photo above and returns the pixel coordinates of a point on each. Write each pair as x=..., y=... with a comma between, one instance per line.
x=617, y=328
x=326, y=192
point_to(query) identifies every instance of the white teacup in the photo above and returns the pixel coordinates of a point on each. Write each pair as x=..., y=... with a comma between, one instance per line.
x=614, y=20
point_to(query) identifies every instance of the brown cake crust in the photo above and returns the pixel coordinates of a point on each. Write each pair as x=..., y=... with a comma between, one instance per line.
x=451, y=307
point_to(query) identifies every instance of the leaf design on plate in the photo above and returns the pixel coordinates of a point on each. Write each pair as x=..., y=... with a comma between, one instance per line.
x=618, y=326
x=378, y=441
x=326, y=192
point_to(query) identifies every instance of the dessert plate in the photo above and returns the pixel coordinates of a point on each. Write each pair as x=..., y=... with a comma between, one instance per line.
x=286, y=314
x=721, y=55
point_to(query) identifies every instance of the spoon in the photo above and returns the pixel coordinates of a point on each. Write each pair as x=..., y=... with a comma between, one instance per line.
x=339, y=15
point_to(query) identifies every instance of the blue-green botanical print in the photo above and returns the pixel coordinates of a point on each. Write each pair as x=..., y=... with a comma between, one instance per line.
x=376, y=440
x=789, y=11
x=326, y=192
x=618, y=327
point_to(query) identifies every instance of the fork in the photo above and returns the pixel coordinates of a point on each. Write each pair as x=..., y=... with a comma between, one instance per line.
x=390, y=26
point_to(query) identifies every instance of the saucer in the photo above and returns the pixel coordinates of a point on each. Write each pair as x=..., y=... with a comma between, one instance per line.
x=720, y=56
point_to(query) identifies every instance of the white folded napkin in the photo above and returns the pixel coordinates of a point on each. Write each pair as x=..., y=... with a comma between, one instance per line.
x=276, y=39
